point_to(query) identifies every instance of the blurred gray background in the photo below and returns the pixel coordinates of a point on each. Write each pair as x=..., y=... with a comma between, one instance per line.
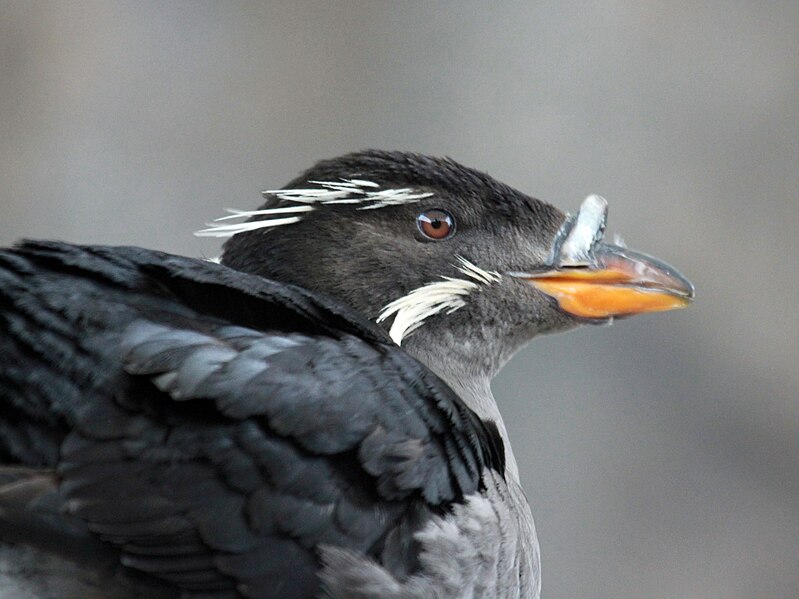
x=661, y=455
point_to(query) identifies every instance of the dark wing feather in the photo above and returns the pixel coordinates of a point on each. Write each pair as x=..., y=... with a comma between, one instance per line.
x=217, y=427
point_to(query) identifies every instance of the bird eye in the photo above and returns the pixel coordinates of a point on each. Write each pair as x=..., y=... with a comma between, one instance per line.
x=436, y=224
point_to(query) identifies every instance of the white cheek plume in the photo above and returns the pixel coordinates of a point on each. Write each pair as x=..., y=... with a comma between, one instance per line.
x=448, y=295
x=413, y=309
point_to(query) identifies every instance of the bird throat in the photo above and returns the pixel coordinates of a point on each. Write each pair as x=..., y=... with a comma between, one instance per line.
x=468, y=370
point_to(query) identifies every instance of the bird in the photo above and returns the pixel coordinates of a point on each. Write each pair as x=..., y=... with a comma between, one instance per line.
x=310, y=415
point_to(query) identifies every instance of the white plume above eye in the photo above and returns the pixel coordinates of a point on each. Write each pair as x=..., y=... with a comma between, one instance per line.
x=448, y=295
x=345, y=191
x=275, y=217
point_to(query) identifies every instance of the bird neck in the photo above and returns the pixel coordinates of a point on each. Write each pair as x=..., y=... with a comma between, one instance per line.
x=470, y=378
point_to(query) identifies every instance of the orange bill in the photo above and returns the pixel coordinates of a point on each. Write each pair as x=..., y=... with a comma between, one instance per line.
x=618, y=282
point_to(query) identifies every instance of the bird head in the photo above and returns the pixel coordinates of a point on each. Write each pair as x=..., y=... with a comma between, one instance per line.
x=448, y=260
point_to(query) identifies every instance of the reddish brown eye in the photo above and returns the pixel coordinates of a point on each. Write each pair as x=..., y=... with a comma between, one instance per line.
x=436, y=224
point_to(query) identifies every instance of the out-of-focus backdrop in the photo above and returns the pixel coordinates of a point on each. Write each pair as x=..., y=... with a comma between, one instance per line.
x=661, y=455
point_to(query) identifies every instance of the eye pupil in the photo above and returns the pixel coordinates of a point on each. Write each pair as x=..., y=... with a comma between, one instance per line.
x=436, y=224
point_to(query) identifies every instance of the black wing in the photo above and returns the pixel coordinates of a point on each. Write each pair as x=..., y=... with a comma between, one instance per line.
x=217, y=427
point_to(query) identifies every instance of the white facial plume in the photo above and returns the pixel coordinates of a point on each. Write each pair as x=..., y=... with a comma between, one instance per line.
x=447, y=295
x=366, y=194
